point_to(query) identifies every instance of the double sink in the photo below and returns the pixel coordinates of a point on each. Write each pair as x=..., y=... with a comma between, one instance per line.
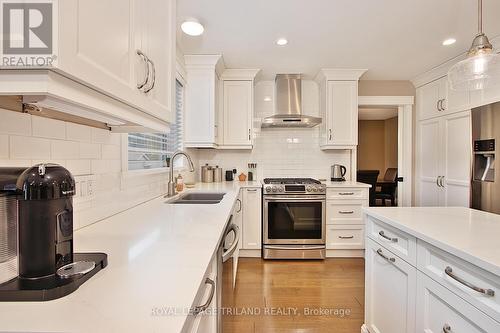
x=199, y=198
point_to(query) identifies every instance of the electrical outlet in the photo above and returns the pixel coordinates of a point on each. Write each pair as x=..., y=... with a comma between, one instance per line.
x=84, y=188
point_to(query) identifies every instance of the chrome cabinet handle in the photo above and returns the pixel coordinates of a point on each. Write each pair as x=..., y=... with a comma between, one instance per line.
x=488, y=292
x=249, y=134
x=153, y=82
x=346, y=237
x=239, y=205
x=233, y=228
x=446, y=328
x=330, y=136
x=441, y=181
x=382, y=234
x=346, y=212
x=437, y=181
x=437, y=105
x=200, y=308
x=146, y=76
x=443, y=108
x=252, y=190
x=346, y=193
x=379, y=252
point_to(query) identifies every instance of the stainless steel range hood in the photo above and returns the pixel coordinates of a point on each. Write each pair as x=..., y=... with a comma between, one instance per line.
x=289, y=104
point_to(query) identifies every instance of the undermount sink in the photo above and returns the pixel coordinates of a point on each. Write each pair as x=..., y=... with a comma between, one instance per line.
x=199, y=198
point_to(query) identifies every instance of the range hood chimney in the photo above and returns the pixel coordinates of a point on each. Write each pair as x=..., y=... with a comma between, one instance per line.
x=289, y=104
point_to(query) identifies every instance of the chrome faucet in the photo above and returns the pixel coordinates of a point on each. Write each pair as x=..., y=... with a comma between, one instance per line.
x=171, y=184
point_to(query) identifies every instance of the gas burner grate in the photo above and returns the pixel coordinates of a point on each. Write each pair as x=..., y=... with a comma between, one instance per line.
x=290, y=181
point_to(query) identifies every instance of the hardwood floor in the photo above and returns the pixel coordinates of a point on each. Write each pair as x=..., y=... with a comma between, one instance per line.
x=274, y=297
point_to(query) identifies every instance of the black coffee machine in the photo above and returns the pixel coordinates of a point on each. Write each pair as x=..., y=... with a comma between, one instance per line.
x=47, y=266
x=45, y=220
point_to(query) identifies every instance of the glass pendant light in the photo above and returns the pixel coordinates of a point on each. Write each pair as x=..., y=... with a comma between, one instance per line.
x=482, y=66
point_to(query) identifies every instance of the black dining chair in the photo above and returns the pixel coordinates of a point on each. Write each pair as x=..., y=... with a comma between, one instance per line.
x=388, y=187
x=369, y=177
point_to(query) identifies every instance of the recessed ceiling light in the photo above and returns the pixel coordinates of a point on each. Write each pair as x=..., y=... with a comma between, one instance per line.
x=282, y=42
x=449, y=41
x=192, y=27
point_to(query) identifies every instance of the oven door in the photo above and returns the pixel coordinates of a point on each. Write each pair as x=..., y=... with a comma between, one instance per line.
x=294, y=219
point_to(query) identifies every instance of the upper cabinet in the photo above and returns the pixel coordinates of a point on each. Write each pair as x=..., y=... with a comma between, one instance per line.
x=124, y=50
x=338, y=108
x=435, y=99
x=219, y=104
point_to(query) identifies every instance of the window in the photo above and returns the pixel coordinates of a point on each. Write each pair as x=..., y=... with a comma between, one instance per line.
x=151, y=150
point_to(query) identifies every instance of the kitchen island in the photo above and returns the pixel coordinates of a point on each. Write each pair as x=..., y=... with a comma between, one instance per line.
x=432, y=269
x=158, y=254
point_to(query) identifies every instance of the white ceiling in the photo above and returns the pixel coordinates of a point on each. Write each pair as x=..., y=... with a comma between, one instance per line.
x=394, y=39
x=377, y=113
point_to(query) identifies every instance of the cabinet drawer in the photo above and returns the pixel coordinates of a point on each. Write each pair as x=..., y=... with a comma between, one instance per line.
x=439, y=310
x=345, y=237
x=344, y=212
x=200, y=323
x=461, y=277
x=397, y=241
x=346, y=193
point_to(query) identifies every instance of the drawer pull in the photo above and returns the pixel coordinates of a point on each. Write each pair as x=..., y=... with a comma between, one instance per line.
x=346, y=237
x=346, y=212
x=487, y=292
x=346, y=193
x=200, y=308
x=446, y=328
x=379, y=252
x=382, y=234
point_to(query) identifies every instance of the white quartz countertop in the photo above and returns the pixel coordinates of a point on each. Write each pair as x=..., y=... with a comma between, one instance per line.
x=346, y=184
x=467, y=233
x=157, y=256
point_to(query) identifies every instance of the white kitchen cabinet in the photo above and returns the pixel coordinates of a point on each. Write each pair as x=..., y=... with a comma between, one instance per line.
x=390, y=291
x=115, y=69
x=237, y=114
x=345, y=237
x=252, y=219
x=436, y=98
x=202, y=100
x=439, y=310
x=338, y=108
x=444, y=158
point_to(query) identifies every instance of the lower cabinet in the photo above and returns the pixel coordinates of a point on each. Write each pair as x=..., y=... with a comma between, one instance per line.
x=202, y=318
x=252, y=219
x=439, y=310
x=345, y=237
x=390, y=290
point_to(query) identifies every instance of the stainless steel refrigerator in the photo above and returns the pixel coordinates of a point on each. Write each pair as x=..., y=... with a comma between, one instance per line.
x=485, y=185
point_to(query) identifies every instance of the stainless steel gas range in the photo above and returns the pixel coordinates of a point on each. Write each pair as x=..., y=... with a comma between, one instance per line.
x=294, y=222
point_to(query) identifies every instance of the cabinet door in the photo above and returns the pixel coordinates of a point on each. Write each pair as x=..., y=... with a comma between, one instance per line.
x=439, y=310
x=237, y=113
x=456, y=159
x=389, y=292
x=86, y=53
x=252, y=219
x=428, y=99
x=429, y=154
x=342, y=113
x=159, y=47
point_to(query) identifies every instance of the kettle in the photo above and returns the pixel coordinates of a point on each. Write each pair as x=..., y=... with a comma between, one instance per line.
x=338, y=173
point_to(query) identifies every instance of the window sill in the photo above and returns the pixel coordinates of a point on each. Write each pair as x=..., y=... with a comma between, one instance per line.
x=147, y=172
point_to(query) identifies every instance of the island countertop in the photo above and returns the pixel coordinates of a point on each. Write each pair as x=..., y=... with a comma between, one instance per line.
x=158, y=254
x=470, y=234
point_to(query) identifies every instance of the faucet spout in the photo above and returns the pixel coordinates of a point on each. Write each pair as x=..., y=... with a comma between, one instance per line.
x=171, y=185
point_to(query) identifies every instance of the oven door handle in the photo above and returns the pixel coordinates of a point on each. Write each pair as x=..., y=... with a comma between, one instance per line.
x=302, y=199
x=287, y=247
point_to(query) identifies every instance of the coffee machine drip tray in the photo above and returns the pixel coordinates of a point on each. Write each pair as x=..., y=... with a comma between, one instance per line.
x=51, y=287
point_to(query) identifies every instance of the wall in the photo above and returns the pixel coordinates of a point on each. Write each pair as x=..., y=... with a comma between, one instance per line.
x=378, y=145
x=281, y=152
x=26, y=140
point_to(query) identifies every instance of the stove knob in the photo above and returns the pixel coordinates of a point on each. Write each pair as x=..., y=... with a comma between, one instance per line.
x=322, y=189
x=268, y=188
x=280, y=189
x=308, y=188
x=315, y=189
x=275, y=189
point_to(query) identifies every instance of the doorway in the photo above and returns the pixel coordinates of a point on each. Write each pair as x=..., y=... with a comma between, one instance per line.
x=392, y=118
